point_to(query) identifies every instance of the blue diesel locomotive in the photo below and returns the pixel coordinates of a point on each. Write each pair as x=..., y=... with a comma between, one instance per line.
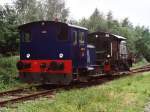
x=54, y=52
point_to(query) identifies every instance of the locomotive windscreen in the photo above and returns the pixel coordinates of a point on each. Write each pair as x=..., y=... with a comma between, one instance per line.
x=63, y=33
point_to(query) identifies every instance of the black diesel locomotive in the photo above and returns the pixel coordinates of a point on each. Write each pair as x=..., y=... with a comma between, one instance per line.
x=58, y=53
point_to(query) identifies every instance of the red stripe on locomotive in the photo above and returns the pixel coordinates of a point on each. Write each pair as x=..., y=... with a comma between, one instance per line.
x=45, y=66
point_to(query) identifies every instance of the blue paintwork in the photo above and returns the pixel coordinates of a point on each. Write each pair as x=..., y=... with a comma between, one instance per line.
x=78, y=60
x=47, y=46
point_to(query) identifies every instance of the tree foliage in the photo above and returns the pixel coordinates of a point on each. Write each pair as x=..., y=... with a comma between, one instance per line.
x=8, y=30
x=34, y=10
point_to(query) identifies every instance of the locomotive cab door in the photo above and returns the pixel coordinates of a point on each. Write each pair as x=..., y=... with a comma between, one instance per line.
x=75, y=54
x=79, y=48
x=82, y=49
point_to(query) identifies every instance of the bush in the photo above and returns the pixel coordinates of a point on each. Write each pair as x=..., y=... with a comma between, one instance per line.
x=8, y=71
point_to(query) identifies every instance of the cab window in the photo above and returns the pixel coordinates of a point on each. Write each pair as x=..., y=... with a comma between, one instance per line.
x=74, y=37
x=81, y=37
x=63, y=33
x=26, y=37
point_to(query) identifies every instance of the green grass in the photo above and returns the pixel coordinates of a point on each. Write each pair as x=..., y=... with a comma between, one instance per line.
x=8, y=73
x=129, y=94
x=140, y=63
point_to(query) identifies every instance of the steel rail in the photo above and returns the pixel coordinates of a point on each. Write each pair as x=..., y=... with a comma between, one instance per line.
x=27, y=97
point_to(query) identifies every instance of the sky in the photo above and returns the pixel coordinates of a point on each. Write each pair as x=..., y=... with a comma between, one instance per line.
x=138, y=11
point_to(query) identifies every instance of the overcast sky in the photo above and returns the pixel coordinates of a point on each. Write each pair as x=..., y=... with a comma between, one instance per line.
x=138, y=11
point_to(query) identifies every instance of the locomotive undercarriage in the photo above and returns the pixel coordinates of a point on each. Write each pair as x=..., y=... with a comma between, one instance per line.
x=120, y=65
x=85, y=74
x=46, y=78
x=82, y=75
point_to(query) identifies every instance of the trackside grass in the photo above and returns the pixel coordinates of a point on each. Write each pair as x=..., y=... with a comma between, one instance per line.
x=129, y=94
x=140, y=63
x=8, y=73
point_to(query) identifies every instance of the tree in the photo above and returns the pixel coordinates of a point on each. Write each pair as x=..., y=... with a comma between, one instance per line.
x=109, y=16
x=110, y=20
x=95, y=22
x=33, y=10
x=8, y=35
x=126, y=23
x=55, y=9
x=142, y=45
x=27, y=11
x=95, y=14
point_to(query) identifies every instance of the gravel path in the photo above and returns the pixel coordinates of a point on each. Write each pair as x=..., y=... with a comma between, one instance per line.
x=147, y=107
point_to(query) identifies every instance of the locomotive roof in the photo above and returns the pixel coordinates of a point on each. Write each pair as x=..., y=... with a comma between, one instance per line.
x=105, y=34
x=31, y=23
x=119, y=37
x=90, y=46
x=75, y=26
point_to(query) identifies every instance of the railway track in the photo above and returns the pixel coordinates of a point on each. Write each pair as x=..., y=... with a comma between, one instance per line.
x=23, y=94
x=13, y=98
x=141, y=69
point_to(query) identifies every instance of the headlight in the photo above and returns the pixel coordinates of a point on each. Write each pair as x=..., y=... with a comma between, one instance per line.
x=108, y=56
x=61, y=55
x=28, y=55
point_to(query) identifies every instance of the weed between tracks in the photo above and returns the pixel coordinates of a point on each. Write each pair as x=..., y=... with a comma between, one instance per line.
x=124, y=95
